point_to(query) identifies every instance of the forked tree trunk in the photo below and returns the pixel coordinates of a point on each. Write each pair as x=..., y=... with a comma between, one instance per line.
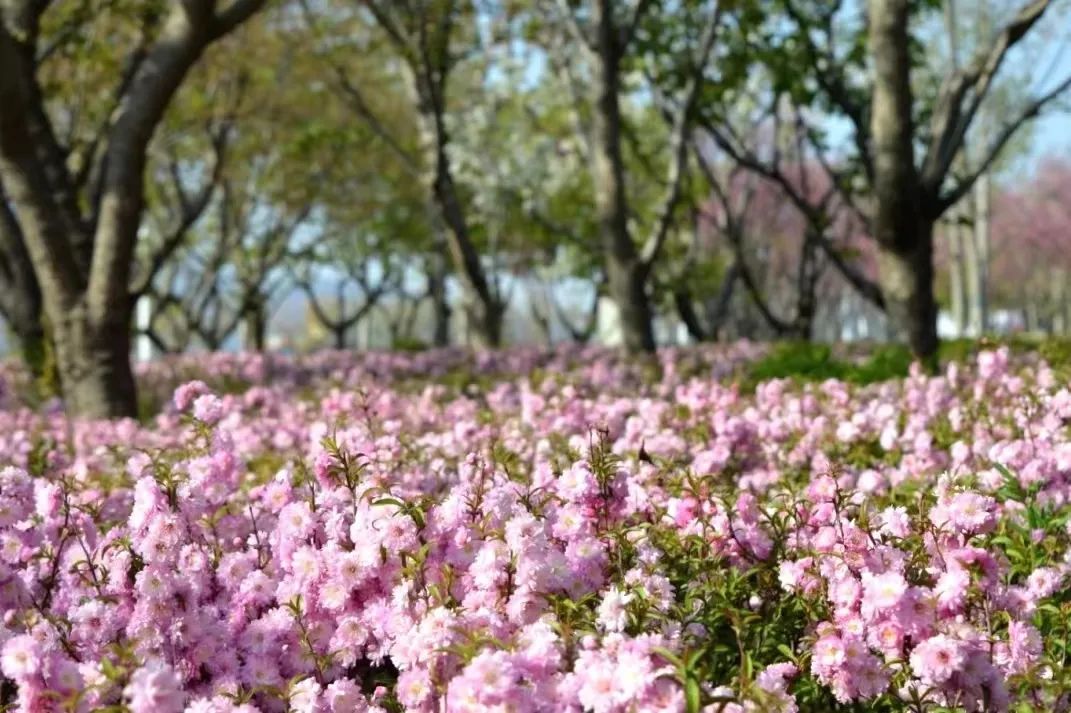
x=93, y=359
x=82, y=265
x=902, y=224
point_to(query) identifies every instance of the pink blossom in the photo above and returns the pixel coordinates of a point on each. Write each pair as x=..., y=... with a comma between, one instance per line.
x=937, y=659
x=154, y=688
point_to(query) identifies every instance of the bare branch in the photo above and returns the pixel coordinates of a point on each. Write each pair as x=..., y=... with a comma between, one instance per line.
x=190, y=211
x=953, y=116
x=1029, y=112
x=681, y=123
x=831, y=77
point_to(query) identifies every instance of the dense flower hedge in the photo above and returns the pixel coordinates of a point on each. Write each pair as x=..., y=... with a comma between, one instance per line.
x=573, y=532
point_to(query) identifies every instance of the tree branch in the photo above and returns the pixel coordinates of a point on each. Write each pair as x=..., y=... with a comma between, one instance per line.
x=230, y=17
x=1030, y=111
x=951, y=120
x=190, y=211
x=679, y=143
x=816, y=216
x=831, y=77
x=188, y=29
x=27, y=183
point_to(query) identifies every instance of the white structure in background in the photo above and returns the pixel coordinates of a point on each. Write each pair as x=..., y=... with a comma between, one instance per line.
x=144, y=350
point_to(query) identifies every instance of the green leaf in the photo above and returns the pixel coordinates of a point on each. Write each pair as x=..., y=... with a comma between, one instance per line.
x=692, y=695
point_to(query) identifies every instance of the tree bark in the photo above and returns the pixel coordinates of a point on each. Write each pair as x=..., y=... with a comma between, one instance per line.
x=82, y=263
x=957, y=283
x=979, y=238
x=256, y=326
x=1031, y=315
x=449, y=215
x=422, y=35
x=626, y=279
x=682, y=300
x=907, y=281
x=809, y=271
x=972, y=278
x=94, y=364
x=484, y=308
x=440, y=305
x=902, y=224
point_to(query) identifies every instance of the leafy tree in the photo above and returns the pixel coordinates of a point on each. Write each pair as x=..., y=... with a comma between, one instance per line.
x=422, y=46
x=76, y=192
x=602, y=33
x=906, y=108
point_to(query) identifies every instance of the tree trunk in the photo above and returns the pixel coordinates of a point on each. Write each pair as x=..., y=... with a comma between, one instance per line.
x=1031, y=315
x=627, y=289
x=956, y=280
x=541, y=319
x=440, y=305
x=1057, y=298
x=339, y=332
x=957, y=233
x=485, y=323
x=979, y=238
x=972, y=280
x=682, y=300
x=626, y=276
x=907, y=283
x=256, y=327
x=807, y=284
x=94, y=364
x=485, y=313
x=902, y=224
x=83, y=275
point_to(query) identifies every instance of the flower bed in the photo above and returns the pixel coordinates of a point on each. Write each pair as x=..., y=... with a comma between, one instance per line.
x=569, y=531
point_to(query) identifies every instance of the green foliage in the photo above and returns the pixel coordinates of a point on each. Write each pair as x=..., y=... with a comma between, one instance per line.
x=809, y=362
x=805, y=361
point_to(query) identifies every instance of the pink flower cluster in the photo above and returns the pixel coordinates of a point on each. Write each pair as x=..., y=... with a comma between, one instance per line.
x=348, y=535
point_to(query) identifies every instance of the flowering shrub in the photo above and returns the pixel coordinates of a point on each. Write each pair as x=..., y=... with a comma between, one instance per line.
x=375, y=533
